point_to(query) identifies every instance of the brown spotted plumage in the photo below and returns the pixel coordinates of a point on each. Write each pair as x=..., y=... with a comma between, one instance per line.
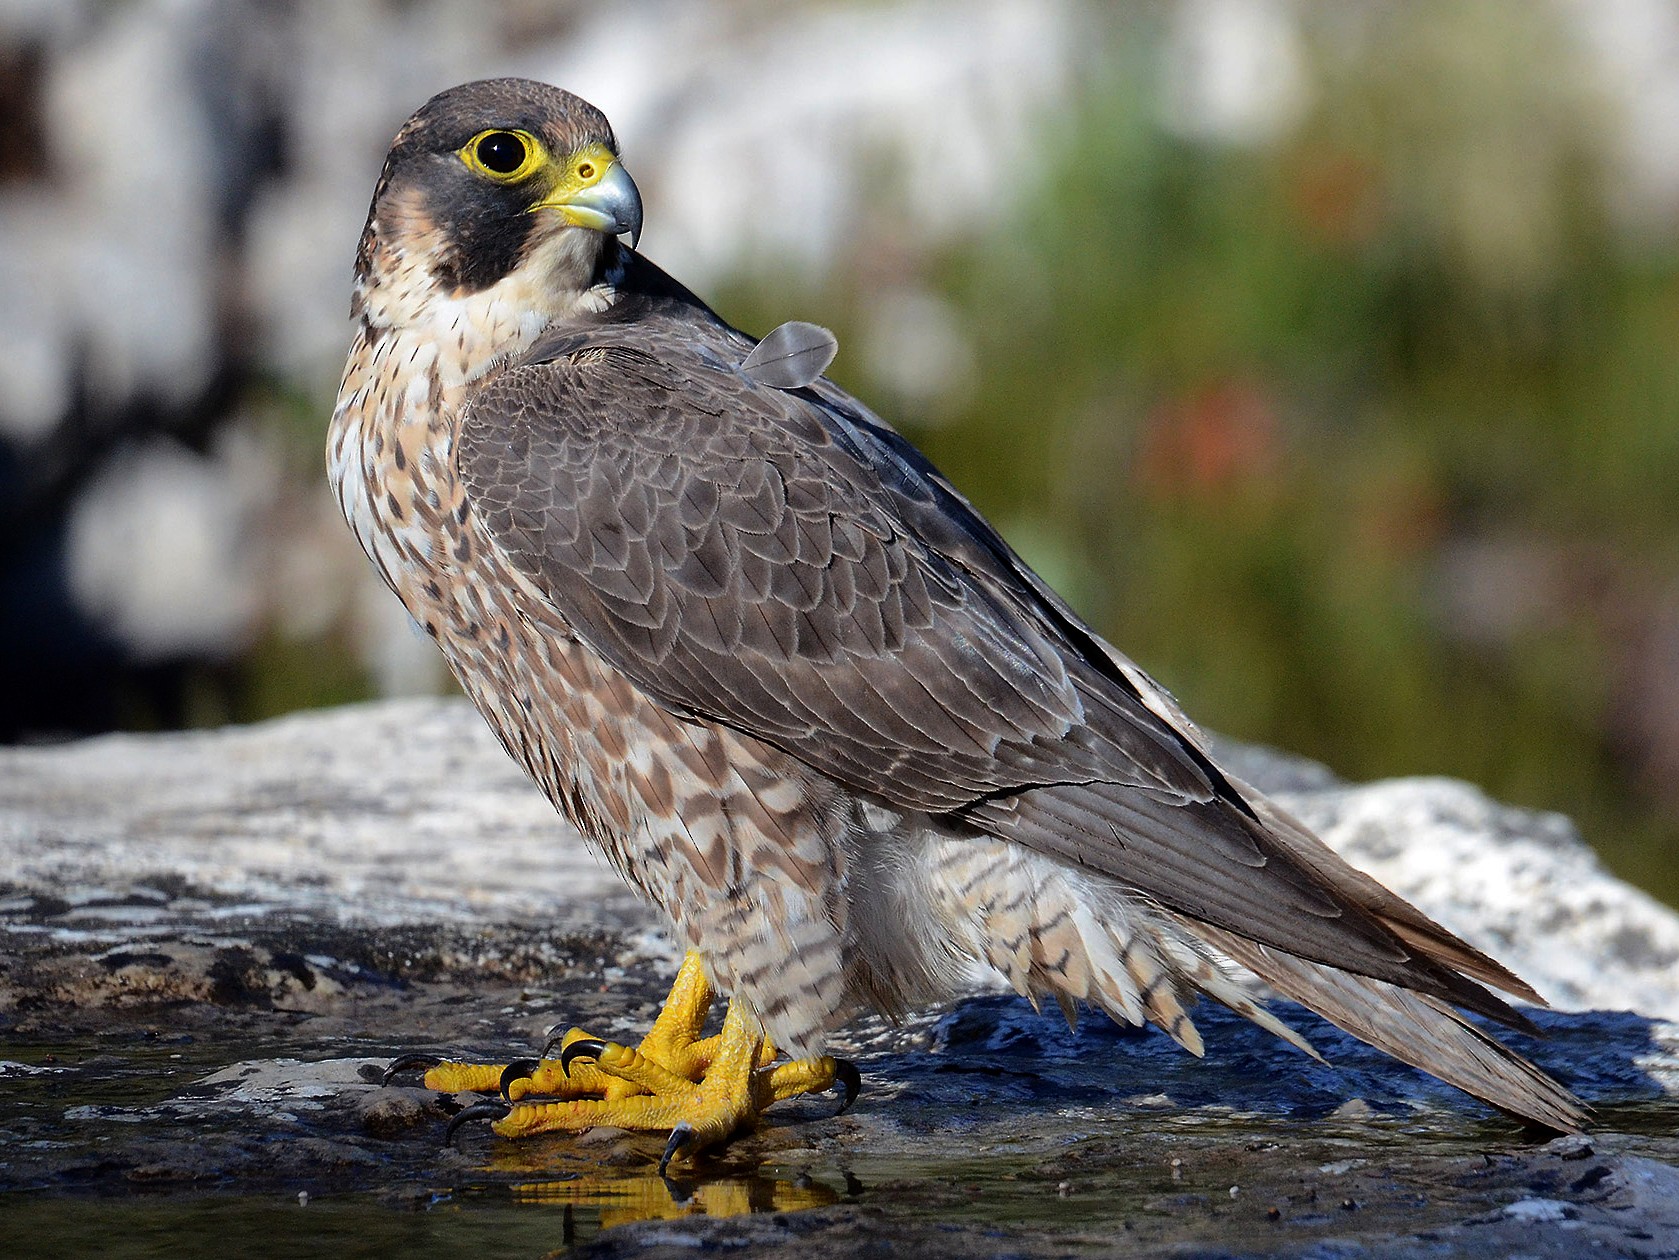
x=766, y=658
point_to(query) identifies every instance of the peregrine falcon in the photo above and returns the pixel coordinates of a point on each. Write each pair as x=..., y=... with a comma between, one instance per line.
x=803, y=697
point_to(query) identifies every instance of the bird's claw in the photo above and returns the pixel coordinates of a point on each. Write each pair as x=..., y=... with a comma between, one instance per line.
x=519, y=1069
x=680, y=1136
x=697, y=1090
x=850, y=1083
x=491, y=1111
x=407, y=1063
x=580, y=1048
x=555, y=1037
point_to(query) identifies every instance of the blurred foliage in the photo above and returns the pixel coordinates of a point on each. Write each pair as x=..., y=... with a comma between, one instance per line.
x=1364, y=442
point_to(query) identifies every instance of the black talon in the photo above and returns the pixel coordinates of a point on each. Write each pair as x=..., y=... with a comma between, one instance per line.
x=519, y=1069
x=491, y=1111
x=850, y=1081
x=556, y=1034
x=582, y=1048
x=407, y=1063
x=679, y=1137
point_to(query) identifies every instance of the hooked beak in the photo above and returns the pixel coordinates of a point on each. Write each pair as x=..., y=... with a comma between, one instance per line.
x=611, y=204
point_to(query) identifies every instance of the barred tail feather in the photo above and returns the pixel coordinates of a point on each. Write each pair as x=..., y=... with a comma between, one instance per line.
x=1059, y=933
x=1131, y=980
x=1210, y=978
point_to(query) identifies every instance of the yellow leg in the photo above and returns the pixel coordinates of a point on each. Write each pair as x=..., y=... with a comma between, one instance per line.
x=451, y=1077
x=673, y=1042
x=701, y=1089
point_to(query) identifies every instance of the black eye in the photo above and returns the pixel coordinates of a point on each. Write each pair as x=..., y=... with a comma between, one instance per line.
x=501, y=152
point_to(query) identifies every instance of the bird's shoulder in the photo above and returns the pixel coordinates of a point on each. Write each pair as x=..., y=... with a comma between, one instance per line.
x=663, y=401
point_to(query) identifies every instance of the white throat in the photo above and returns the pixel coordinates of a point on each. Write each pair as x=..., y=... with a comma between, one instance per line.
x=473, y=332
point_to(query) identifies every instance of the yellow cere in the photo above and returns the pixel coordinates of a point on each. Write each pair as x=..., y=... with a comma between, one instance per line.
x=578, y=173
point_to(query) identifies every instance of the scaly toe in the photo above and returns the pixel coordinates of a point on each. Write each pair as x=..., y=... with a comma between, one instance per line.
x=549, y=1081
x=807, y=1076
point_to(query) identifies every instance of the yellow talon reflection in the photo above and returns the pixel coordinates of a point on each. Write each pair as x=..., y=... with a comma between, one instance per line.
x=623, y=1200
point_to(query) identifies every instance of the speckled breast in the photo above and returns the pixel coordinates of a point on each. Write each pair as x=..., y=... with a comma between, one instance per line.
x=652, y=791
x=541, y=691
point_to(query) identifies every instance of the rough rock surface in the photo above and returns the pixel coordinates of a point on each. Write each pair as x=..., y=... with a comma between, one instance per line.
x=211, y=942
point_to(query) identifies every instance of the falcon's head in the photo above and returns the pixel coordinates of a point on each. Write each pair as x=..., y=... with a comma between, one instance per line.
x=506, y=190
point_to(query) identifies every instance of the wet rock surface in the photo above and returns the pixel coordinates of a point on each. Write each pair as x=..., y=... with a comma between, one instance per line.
x=213, y=943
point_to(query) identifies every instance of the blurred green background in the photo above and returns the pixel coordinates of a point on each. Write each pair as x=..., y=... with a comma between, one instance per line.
x=1364, y=442
x=1353, y=416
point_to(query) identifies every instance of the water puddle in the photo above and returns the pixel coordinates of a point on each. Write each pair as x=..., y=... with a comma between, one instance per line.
x=253, y=1136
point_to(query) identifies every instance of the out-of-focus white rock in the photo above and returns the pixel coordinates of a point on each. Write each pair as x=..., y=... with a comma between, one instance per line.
x=409, y=812
x=1236, y=71
x=122, y=270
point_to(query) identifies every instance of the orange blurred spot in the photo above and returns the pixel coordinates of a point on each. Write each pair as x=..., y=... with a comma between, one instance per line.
x=1211, y=441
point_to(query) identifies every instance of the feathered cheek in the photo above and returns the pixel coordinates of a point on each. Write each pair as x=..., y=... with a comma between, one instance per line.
x=407, y=226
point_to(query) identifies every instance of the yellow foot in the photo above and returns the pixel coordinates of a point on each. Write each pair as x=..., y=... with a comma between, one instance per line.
x=702, y=1090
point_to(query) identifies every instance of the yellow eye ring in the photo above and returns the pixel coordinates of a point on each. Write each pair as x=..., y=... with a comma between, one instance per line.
x=502, y=155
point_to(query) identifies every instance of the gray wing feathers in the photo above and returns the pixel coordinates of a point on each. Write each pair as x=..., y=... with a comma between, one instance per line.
x=748, y=571
x=766, y=556
x=1399, y=916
